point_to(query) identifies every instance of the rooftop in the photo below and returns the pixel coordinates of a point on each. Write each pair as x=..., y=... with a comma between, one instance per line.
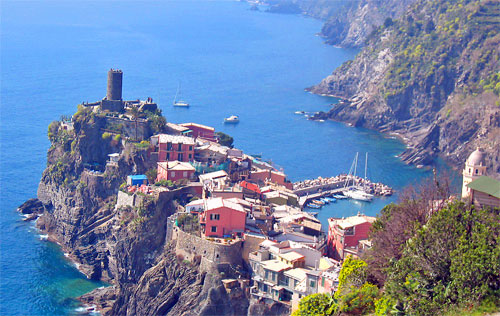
x=197, y=125
x=486, y=185
x=211, y=204
x=297, y=273
x=138, y=177
x=351, y=221
x=176, y=166
x=177, y=127
x=275, y=265
x=175, y=139
x=291, y=256
x=213, y=175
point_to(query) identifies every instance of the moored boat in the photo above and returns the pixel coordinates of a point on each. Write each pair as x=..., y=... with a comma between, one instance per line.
x=232, y=119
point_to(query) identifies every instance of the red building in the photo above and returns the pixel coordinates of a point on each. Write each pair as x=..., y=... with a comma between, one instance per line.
x=223, y=218
x=201, y=131
x=173, y=147
x=175, y=170
x=261, y=176
x=344, y=234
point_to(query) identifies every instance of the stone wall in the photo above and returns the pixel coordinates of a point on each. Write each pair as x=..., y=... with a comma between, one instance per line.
x=143, y=130
x=212, y=254
x=251, y=244
x=317, y=188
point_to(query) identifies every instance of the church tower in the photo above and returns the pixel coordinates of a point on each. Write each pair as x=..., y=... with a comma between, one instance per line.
x=474, y=168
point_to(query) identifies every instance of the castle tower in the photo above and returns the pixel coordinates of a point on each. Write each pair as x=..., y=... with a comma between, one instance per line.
x=474, y=168
x=114, y=92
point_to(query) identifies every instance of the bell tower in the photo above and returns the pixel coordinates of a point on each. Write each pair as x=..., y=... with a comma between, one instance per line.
x=474, y=168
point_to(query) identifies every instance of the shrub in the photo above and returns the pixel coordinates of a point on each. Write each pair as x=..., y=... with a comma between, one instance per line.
x=106, y=135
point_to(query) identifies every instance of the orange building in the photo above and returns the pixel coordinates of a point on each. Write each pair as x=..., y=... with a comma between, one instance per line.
x=173, y=147
x=223, y=218
x=344, y=234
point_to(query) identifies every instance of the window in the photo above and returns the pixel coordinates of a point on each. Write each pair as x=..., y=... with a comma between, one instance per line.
x=172, y=174
x=180, y=157
x=477, y=171
x=267, y=274
x=169, y=146
x=312, y=283
x=179, y=147
x=274, y=276
x=185, y=174
x=214, y=229
x=168, y=156
x=323, y=281
x=349, y=231
x=190, y=156
x=214, y=217
x=190, y=147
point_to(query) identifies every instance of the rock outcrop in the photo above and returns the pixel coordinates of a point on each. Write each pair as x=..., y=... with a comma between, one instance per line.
x=432, y=77
x=119, y=238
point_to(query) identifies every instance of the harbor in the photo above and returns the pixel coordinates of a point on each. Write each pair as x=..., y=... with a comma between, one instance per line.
x=336, y=187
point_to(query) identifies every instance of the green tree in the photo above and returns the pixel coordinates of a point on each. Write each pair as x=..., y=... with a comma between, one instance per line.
x=225, y=139
x=320, y=304
x=454, y=259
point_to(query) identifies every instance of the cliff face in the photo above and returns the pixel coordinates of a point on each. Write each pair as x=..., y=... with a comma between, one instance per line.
x=351, y=26
x=432, y=77
x=122, y=238
x=347, y=23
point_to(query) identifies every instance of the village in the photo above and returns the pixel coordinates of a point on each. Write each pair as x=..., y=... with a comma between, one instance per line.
x=243, y=212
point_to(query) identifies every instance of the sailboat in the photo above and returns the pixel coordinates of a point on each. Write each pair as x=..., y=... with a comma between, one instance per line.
x=356, y=192
x=179, y=102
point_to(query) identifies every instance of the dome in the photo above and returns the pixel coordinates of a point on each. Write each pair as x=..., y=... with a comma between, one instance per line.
x=476, y=158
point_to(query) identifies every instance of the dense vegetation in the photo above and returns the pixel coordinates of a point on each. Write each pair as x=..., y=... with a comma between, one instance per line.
x=434, y=40
x=429, y=257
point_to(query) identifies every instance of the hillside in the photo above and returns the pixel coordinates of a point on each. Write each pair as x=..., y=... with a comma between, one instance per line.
x=433, y=77
x=347, y=23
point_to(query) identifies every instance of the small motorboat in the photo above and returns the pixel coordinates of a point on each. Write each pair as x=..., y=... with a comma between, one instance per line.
x=324, y=200
x=330, y=199
x=312, y=205
x=300, y=112
x=232, y=119
x=318, y=202
x=339, y=197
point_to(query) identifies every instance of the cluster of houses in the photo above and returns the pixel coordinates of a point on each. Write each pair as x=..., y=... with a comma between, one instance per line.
x=241, y=197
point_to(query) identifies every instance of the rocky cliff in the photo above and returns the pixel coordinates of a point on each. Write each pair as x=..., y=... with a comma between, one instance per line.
x=122, y=242
x=433, y=77
x=347, y=23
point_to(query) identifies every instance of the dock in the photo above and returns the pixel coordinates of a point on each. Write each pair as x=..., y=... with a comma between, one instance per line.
x=312, y=189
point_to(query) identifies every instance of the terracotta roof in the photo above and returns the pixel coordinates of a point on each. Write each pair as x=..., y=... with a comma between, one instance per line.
x=176, y=166
x=197, y=125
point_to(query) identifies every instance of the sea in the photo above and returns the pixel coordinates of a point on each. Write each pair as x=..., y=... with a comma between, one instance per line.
x=226, y=59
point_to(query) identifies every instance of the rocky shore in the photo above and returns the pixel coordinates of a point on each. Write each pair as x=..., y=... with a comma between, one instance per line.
x=432, y=97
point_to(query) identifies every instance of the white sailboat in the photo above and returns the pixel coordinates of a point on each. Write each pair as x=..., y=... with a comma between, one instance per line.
x=353, y=191
x=232, y=119
x=179, y=102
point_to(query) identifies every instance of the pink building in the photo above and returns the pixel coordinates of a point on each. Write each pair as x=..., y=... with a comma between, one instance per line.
x=201, y=131
x=223, y=218
x=344, y=234
x=175, y=170
x=173, y=147
x=260, y=176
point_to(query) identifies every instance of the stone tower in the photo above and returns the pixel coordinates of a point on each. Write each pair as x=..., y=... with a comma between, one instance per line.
x=474, y=168
x=114, y=92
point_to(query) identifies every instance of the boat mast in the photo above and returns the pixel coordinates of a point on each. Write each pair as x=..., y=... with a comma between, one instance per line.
x=355, y=168
x=366, y=167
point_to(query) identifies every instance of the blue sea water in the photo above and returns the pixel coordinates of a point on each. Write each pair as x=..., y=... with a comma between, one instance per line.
x=227, y=59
